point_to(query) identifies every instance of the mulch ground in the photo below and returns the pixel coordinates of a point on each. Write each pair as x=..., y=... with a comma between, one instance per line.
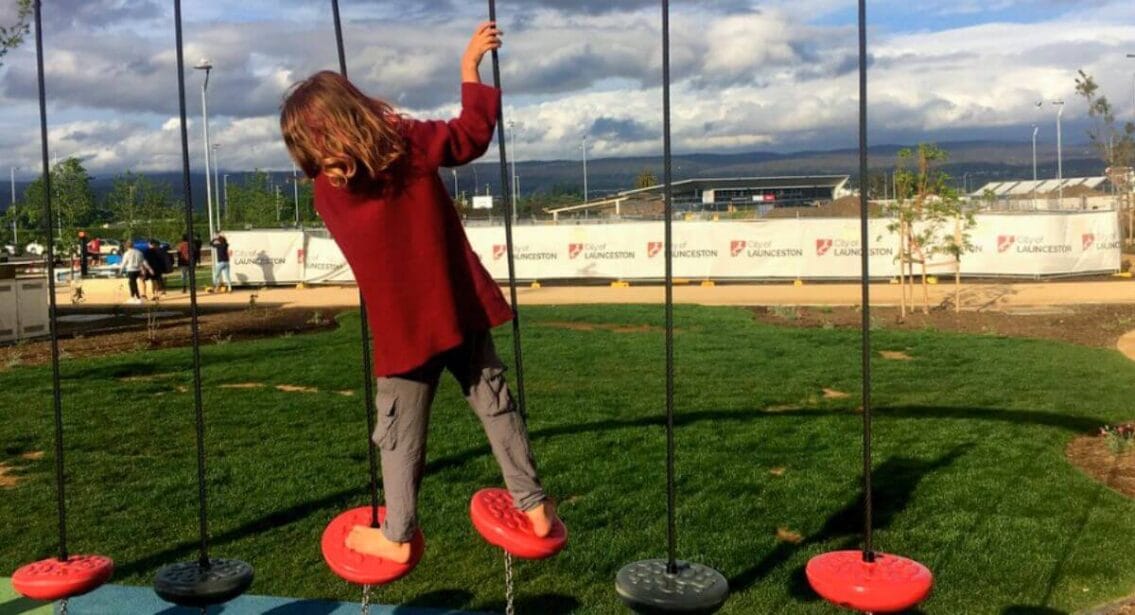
x=101, y=331
x=1088, y=325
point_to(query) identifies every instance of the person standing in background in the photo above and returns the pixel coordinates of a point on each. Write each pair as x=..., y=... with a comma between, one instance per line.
x=222, y=253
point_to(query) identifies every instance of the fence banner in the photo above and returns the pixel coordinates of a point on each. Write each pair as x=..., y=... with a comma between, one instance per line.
x=266, y=257
x=1007, y=244
x=324, y=262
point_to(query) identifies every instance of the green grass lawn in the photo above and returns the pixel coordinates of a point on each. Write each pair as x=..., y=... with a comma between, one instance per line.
x=969, y=450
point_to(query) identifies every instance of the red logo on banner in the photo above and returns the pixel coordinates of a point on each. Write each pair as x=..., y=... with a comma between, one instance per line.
x=499, y=251
x=1089, y=240
x=574, y=249
x=736, y=247
x=653, y=248
x=1004, y=242
x=822, y=246
x=300, y=255
x=769, y=197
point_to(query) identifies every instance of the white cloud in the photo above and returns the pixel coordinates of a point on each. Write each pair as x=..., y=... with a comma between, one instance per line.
x=744, y=79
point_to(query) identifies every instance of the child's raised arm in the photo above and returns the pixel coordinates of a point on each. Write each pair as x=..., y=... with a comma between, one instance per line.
x=485, y=39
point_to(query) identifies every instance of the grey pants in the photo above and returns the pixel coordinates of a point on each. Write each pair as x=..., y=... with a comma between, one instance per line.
x=403, y=405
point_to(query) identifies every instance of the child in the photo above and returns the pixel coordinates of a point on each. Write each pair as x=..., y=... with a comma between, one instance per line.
x=430, y=302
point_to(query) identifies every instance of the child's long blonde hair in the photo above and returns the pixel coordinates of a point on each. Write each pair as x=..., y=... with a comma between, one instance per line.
x=331, y=127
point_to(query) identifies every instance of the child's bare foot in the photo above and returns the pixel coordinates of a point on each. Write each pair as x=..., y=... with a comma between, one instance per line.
x=371, y=541
x=543, y=517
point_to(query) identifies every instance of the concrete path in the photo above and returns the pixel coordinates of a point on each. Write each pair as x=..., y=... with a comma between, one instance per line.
x=990, y=296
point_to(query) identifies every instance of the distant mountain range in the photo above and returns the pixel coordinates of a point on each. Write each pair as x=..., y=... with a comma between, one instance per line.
x=971, y=162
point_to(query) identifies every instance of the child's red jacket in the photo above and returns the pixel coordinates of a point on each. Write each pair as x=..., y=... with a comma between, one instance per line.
x=425, y=289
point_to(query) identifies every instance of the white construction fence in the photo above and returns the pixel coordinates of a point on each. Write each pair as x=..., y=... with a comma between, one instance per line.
x=1011, y=245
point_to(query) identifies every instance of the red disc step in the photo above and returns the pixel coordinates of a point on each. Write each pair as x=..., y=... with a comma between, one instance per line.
x=501, y=524
x=55, y=579
x=889, y=584
x=357, y=567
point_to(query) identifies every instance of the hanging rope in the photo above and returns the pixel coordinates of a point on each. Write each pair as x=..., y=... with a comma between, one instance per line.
x=671, y=523
x=506, y=194
x=49, y=231
x=364, y=325
x=865, y=325
x=202, y=518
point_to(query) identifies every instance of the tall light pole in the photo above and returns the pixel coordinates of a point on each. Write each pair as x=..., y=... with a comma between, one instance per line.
x=296, y=191
x=584, y=148
x=217, y=183
x=1132, y=57
x=225, y=177
x=12, y=210
x=1059, y=149
x=206, y=66
x=512, y=134
x=455, y=192
x=1036, y=130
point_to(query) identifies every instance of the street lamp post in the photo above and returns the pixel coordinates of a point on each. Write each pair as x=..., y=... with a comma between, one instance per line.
x=1132, y=56
x=512, y=134
x=12, y=207
x=225, y=178
x=217, y=183
x=296, y=191
x=584, y=148
x=206, y=66
x=1059, y=149
x=1036, y=129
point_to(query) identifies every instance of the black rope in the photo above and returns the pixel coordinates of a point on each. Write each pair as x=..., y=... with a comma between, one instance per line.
x=364, y=325
x=671, y=497
x=521, y=402
x=202, y=517
x=864, y=282
x=49, y=229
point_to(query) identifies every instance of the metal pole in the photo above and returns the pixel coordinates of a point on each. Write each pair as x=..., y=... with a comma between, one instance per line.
x=208, y=181
x=585, y=199
x=1060, y=150
x=455, y=191
x=217, y=184
x=15, y=227
x=1036, y=129
x=226, y=191
x=512, y=135
x=296, y=191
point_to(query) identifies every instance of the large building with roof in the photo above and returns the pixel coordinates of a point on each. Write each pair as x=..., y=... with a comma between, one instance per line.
x=1027, y=189
x=719, y=195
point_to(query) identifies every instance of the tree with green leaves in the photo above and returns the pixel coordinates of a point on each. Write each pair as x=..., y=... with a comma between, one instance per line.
x=646, y=179
x=255, y=202
x=925, y=208
x=1115, y=144
x=72, y=199
x=144, y=208
x=12, y=34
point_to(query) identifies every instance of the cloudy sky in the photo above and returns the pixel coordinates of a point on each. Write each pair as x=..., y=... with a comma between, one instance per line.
x=774, y=75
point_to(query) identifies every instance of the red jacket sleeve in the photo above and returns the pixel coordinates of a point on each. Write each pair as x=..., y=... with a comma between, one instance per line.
x=464, y=139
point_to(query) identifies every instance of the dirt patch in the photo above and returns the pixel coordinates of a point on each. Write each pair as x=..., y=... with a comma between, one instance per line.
x=292, y=388
x=1092, y=455
x=834, y=394
x=346, y=393
x=602, y=326
x=32, y=456
x=895, y=355
x=128, y=331
x=244, y=385
x=784, y=534
x=1089, y=325
x=8, y=478
x=778, y=471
